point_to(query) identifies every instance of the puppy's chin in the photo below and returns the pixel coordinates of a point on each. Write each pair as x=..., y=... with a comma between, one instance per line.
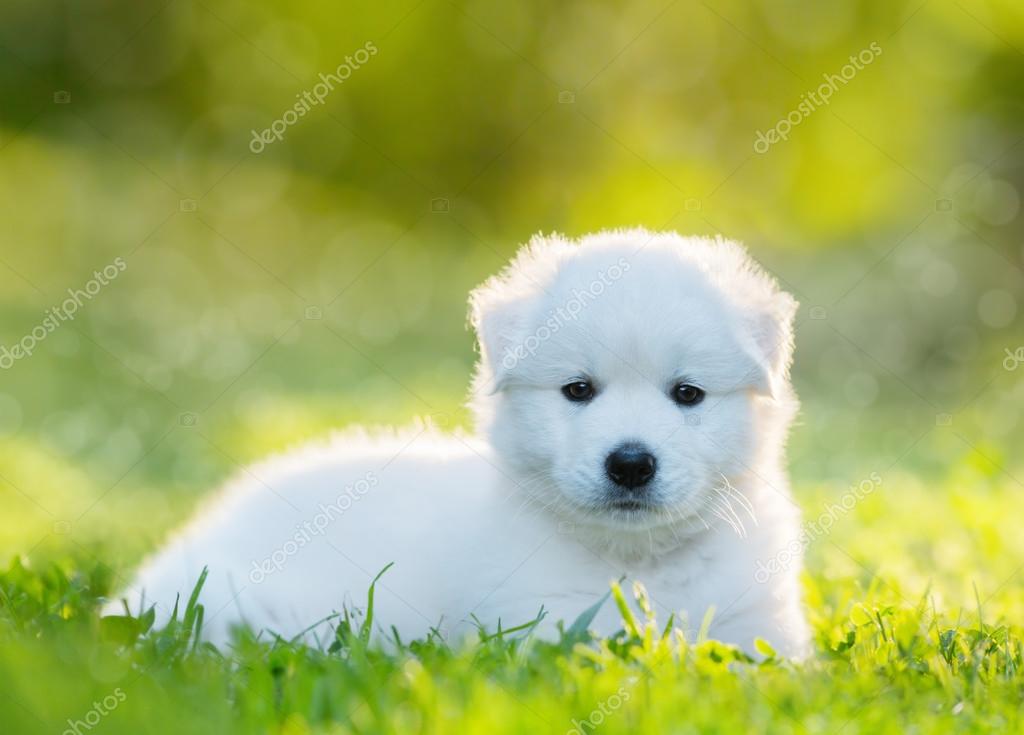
x=626, y=514
x=632, y=516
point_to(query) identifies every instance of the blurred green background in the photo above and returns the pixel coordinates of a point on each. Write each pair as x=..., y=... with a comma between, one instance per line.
x=270, y=297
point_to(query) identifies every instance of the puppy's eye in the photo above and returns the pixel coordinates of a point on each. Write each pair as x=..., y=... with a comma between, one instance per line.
x=578, y=391
x=687, y=395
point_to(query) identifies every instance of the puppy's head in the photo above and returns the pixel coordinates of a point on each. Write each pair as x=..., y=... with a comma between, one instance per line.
x=623, y=379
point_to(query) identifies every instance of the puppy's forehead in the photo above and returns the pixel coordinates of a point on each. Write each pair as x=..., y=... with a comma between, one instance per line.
x=626, y=311
x=615, y=276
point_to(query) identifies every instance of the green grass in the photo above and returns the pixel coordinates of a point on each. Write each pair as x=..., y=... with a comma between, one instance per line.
x=911, y=597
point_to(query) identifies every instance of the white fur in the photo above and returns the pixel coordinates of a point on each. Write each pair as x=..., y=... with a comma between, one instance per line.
x=495, y=527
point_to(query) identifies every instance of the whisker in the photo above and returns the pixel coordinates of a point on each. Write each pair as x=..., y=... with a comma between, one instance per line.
x=723, y=499
x=740, y=497
x=722, y=512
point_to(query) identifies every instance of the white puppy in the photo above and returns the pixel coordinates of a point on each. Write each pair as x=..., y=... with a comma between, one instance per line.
x=632, y=401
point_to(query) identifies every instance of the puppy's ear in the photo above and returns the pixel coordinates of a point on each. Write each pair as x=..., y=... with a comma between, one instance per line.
x=499, y=319
x=766, y=313
x=770, y=324
x=502, y=310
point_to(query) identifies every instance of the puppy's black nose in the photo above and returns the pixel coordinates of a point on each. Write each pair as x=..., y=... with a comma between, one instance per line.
x=630, y=466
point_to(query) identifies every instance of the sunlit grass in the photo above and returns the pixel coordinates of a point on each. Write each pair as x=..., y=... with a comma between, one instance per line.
x=882, y=664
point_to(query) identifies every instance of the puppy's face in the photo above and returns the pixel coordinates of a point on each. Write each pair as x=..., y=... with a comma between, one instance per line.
x=626, y=378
